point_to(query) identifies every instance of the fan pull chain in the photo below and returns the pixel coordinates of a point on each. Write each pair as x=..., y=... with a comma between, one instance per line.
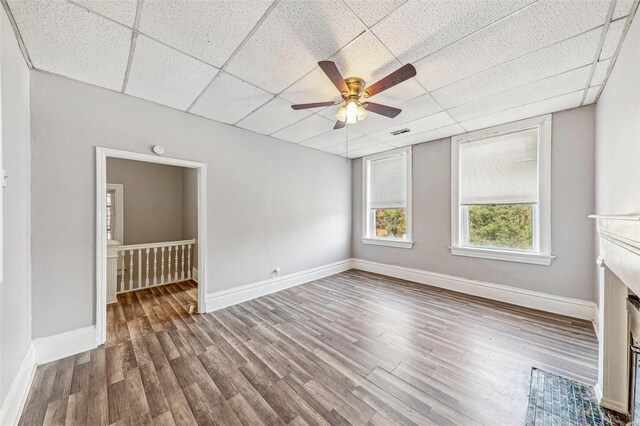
x=346, y=132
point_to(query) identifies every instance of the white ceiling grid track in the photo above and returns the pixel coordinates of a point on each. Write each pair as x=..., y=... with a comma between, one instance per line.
x=245, y=63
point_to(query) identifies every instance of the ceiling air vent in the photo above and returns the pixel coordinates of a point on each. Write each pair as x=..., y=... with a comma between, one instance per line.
x=399, y=132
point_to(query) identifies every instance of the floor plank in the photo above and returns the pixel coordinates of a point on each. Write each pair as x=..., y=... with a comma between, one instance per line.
x=354, y=348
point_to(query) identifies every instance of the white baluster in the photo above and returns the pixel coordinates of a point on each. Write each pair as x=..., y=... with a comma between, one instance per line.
x=182, y=266
x=155, y=265
x=162, y=266
x=121, y=285
x=139, y=268
x=189, y=262
x=130, y=270
x=169, y=264
x=175, y=265
x=146, y=280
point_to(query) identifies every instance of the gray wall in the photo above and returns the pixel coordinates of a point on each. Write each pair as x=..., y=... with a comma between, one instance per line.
x=571, y=274
x=618, y=132
x=190, y=208
x=270, y=203
x=152, y=200
x=15, y=291
x=618, y=135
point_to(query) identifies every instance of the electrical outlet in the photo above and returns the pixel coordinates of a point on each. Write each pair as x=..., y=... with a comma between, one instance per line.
x=276, y=271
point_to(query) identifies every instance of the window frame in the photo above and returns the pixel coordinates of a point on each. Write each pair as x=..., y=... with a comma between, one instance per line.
x=541, y=228
x=367, y=221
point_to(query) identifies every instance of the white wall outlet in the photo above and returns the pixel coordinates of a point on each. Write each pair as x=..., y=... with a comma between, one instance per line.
x=159, y=150
x=276, y=271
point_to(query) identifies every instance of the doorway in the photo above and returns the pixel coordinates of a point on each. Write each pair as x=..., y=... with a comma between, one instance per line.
x=143, y=265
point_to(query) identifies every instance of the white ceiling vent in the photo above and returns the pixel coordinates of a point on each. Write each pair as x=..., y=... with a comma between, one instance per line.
x=399, y=132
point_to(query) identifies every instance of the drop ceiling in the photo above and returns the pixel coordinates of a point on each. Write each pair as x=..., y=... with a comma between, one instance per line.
x=479, y=63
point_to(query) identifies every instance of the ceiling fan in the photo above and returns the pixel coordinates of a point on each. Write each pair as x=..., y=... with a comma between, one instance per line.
x=352, y=89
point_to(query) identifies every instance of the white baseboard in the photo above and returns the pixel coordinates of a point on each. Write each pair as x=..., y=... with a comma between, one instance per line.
x=194, y=274
x=232, y=296
x=62, y=345
x=14, y=402
x=531, y=299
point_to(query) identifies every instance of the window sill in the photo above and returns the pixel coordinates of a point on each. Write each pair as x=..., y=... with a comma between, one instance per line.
x=388, y=242
x=505, y=255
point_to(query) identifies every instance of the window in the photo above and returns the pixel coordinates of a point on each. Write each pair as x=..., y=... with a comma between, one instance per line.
x=387, y=198
x=115, y=212
x=500, y=192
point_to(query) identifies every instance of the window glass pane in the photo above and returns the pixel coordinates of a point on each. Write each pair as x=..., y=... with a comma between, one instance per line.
x=390, y=223
x=501, y=226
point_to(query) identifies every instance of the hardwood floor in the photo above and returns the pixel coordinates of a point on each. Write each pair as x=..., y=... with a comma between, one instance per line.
x=352, y=348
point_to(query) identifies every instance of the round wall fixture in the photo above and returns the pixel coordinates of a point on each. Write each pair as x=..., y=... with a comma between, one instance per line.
x=158, y=149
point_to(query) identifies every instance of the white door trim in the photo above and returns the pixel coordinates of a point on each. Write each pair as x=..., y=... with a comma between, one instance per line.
x=101, y=232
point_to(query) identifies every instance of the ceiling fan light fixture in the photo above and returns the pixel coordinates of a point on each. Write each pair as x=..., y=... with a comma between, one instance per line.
x=352, y=112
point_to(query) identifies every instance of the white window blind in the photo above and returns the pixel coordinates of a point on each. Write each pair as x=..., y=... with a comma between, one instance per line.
x=388, y=183
x=500, y=170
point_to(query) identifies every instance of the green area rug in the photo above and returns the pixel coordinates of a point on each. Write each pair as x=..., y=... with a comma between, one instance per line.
x=556, y=400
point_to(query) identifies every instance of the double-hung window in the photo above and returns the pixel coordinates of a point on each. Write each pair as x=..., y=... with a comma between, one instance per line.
x=386, y=192
x=500, y=192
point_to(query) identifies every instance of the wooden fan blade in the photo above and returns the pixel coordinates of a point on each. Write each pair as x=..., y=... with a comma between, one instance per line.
x=313, y=105
x=331, y=70
x=339, y=125
x=396, y=77
x=385, y=110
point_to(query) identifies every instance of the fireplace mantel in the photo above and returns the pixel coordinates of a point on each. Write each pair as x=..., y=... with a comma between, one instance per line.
x=619, y=255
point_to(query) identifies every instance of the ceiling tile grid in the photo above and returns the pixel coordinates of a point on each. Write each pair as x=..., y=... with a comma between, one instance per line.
x=530, y=93
x=229, y=99
x=271, y=117
x=534, y=27
x=166, y=76
x=69, y=40
x=555, y=59
x=307, y=128
x=427, y=27
x=331, y=138
x=207, y=30
x=292, y=40
x=245, y=63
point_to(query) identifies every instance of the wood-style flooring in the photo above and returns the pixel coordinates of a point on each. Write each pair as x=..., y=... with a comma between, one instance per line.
x=353, y=348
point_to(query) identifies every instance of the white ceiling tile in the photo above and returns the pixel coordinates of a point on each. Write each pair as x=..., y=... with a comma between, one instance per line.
x=529, y=93
x=431, y=122
x=292, y=40
x=311, y=126
x=623, y=7
x=354, y=145
x=430, y=135
x=403, y=92
x=123, y=11
x=564, y=56
x=207, y=30
x=613, y=38
x=166, y=76
x=331, y=138
x=373, y=149
x=230, y=99
x=68, y=40
x=366, y=58
x=600, y=73
x=420, y=28
x=371, y=11
x=592, y=94
x=272, y=116
x=570, y=100
x=534, y=27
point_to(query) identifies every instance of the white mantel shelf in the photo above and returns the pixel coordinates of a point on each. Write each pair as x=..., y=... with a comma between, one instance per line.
x=619, y=237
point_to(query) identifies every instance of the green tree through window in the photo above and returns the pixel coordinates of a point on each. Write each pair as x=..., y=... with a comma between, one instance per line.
x=391, y=223
x=501, y=225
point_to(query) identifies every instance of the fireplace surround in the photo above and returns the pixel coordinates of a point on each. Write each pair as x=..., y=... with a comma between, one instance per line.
x=618, y=317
